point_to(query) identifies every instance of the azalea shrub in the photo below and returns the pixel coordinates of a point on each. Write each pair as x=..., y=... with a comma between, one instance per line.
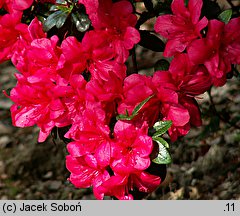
x=73, y=77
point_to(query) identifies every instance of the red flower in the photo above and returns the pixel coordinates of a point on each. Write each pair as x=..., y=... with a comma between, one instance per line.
x=182, y=27
x=94, y=54
x=218, y=50
x=131, y=149
x=11, y=29
x=22, y=4
x=101, y=56
x=121, y=186
x=39, y=60
x=136, y=89
x=118, y=21
x=40, y=103
x=106, y=92
x=86, y=172
x=187, y=81
x=88, y=131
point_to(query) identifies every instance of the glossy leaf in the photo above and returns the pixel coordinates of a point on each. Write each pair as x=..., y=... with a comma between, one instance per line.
x=162, y=141
x=161, y=128
x=57, y=19
x=163, y=156
x=225, y=16
x=81, y=21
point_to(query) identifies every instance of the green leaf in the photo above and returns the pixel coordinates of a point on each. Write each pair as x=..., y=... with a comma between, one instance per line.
x=135, y=111
x=124, y=117
x=163, y=156
x=140, y=106
x=161, y=127
x=225, y=16
x=162, y=141
x=81, y=21
x=57, y=19
x=162, y=65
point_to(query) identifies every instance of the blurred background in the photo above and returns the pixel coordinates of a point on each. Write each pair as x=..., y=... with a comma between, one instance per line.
x=206, y=162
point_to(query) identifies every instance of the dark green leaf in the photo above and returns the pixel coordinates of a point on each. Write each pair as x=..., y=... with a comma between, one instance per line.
x=163, y=156
x=161, y=127
x=57, y=19
x=81, y=21
x=151, y=41
x=161, y=64
x=225, y=16
x=61, y=20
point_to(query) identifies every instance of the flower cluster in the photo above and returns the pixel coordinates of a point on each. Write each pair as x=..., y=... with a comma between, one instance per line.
x=82, y=83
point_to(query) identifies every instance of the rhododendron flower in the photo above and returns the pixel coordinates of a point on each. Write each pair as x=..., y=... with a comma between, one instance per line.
x=22, y=4
x=106, y=92
x=131, y=149
x=182, y=27
x=86, y=172
x=122, y=187
x=118, y=20
x=39, y=61
x=187, y=81
x=33, y=31
x=90, y=152
x=11, y=29
x=89, y=131
x=101, y=55
x=40, y=103
x=218, y=50
x=94, y=54
x=91, y=6
x=163, y=105
x=136, y=89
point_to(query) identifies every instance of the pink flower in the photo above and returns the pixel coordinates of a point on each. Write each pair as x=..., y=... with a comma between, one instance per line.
x=136, y=89
x=11, y=29
x=73, y=59
x=218, y=50
x=94, y=54
x=118, y=21
x=22, y=4
x=86, y=172
x=39, y=60
x=182, y=27
x=90, y=152
x=106, y=92
x=91, y=6
x=131, y=149
x=89, y=131
x=23, y=44
x=186, y=81
x=40, y=103
x=101, y=56
x=123, y=186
